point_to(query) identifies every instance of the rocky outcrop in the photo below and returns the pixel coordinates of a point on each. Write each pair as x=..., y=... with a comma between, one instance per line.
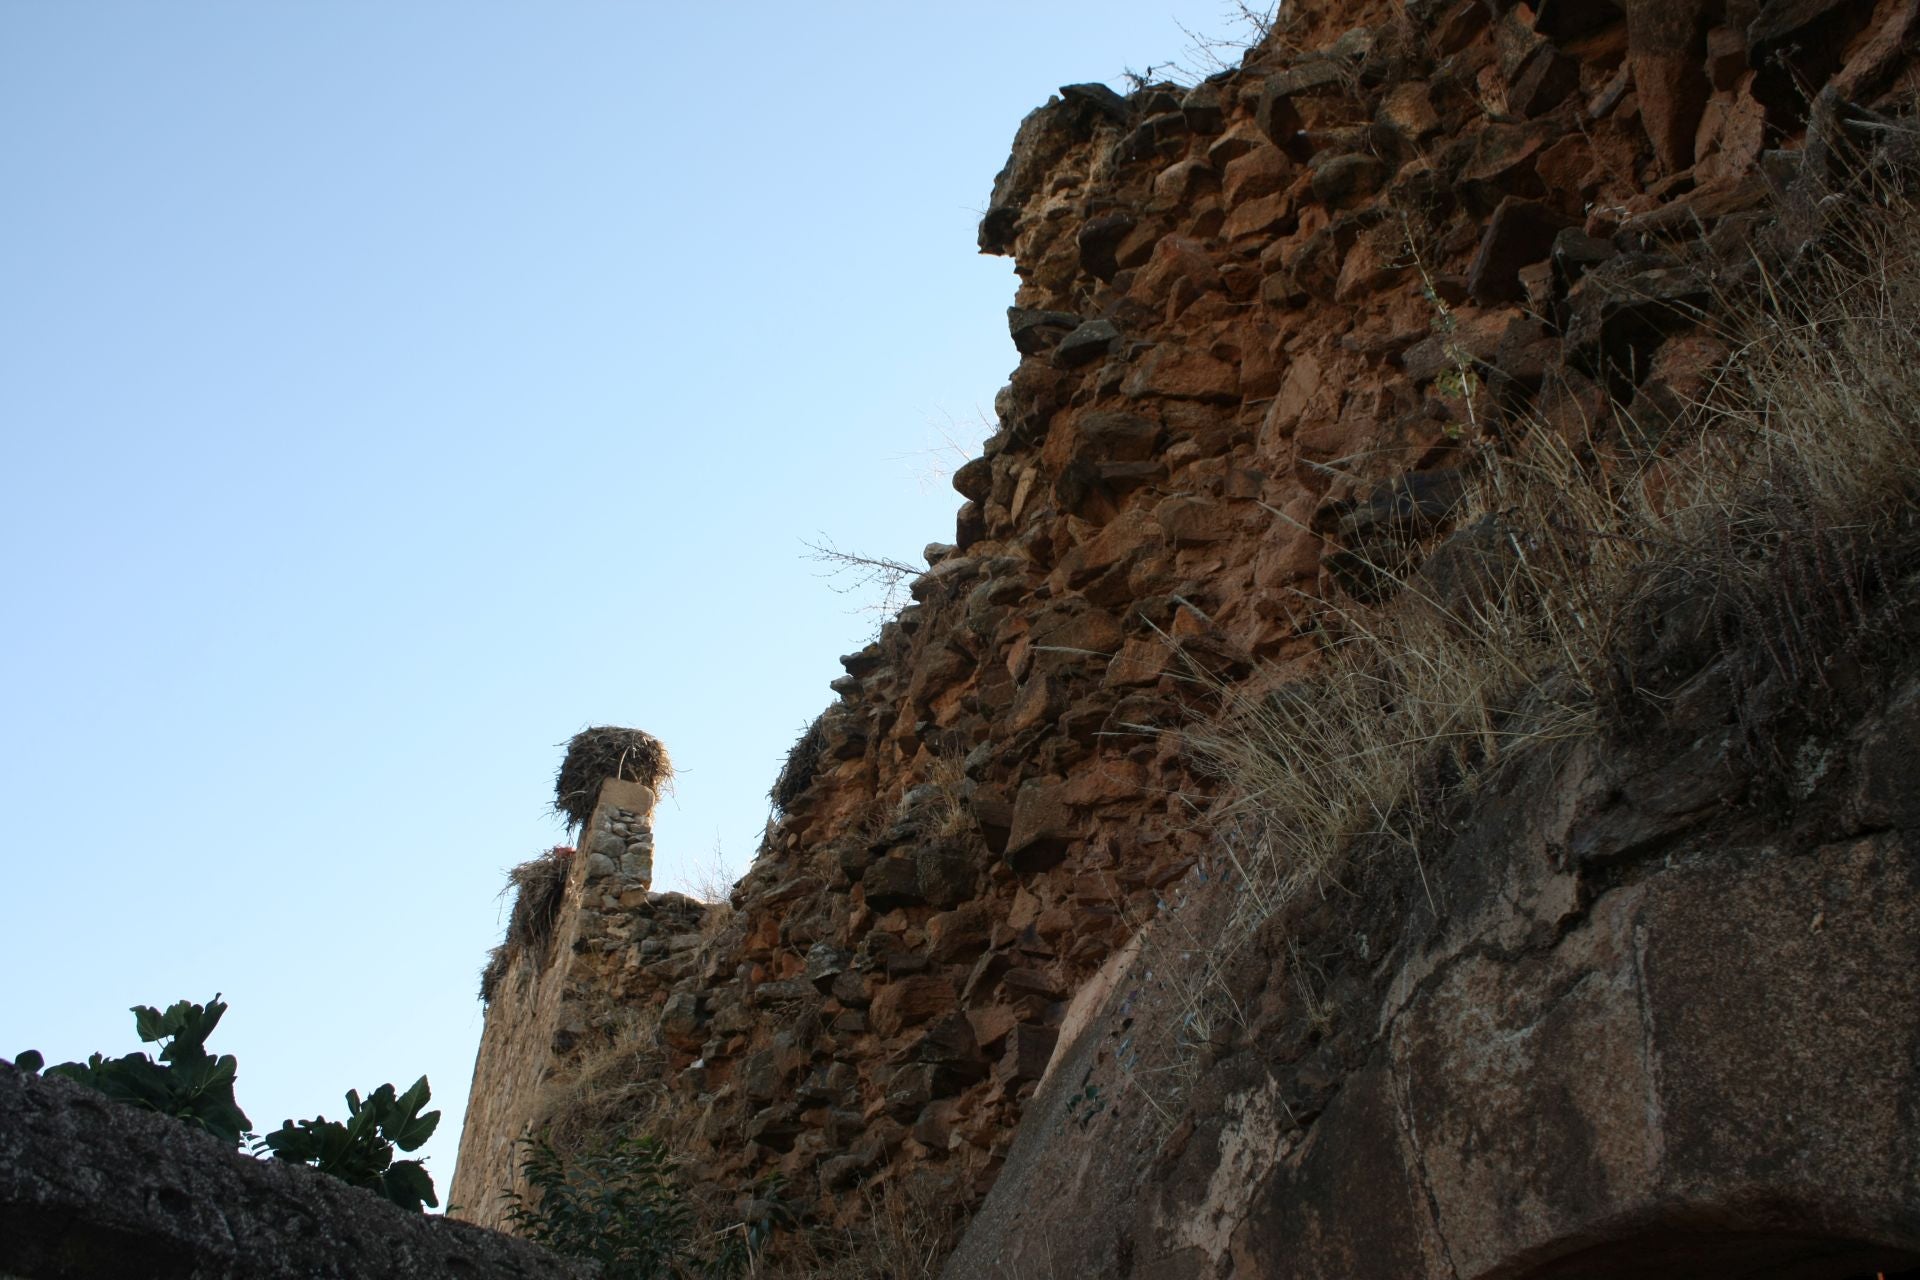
x=92, y=1189
x=1263, y=324
x=1618, y=1024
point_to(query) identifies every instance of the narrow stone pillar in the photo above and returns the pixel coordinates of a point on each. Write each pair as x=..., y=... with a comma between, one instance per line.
x=545, y=1008
x=619, y=837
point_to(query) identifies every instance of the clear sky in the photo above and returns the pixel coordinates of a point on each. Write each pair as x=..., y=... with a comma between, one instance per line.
x=389, y=391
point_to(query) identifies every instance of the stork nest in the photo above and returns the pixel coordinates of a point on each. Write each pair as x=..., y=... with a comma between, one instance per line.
x=595, y=755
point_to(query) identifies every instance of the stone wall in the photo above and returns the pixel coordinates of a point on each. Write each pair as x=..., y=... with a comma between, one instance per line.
x=92, y=1189
x=1244, y=314
x=554, y=1004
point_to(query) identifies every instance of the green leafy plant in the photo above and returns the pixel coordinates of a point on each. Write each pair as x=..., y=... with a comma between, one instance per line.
x=360, y=1152
x=187, y=1082
x=625, y=1209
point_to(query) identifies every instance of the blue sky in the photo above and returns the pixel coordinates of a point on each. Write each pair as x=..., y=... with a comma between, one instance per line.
x=389, y=391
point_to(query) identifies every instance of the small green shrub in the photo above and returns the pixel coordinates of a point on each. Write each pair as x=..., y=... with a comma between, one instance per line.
x=360, y=1152
x=188, y=1082
x=191, y=1084
x=625, y=1209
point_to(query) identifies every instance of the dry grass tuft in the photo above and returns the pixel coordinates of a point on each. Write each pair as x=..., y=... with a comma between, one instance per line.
x=1781, y=514
x=539, y=887
x=802, y=762
x=901, y=1236
x=616, y=1089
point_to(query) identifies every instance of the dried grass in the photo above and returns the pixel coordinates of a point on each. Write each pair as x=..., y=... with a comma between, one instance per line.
x=539, y=888
x=1791, y=511
x=901, y=1236
x=616, y=1089
x=801, y=764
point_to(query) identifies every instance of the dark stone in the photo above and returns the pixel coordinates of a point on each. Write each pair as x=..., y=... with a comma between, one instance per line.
x=1520, y=233
x=680, y=1022
x=1415, y=502
x=825, y=963
x=1564, y=21
x=1203, y=108
x=960, y=934
x=1035, y=331
x=1029, y=1049
x=1346, y=180
x=892, y=882
x=910, y=1089
x=92, y=1189
x=1575, y=252
x=1085, y=344
x=1098, y=240
x=1780, y=18
x=850, y=989
x=1275, y=115
x=945, y=874
x=1544, y=82
x=1115, y=435
x=1097, y=100
x=969, y=525
x=949, y=1042
x=973, y=481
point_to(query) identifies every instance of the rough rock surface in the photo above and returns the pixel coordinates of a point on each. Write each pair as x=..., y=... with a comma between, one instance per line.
x=1622, y=1026
x=1246, y=314
x=91, y=1189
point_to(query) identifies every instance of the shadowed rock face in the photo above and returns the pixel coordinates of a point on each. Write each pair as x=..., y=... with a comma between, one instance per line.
x=91, y=1189
x=1685, y=1044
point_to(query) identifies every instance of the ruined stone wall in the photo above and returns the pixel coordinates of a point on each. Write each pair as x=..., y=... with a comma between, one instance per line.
x=613, y=942
x=1244, y=315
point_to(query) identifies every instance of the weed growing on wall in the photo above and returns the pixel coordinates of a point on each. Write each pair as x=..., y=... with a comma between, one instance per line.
x=624, y=1207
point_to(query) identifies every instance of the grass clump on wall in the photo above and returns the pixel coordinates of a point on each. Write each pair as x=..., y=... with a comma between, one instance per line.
x=539, y=887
